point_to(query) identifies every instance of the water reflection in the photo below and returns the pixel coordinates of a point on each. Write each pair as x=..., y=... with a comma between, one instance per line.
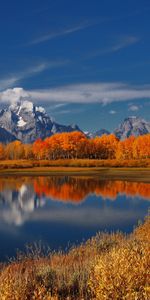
x=19, y=203
x=20, y=197
x=77, y=189
x=62, y=209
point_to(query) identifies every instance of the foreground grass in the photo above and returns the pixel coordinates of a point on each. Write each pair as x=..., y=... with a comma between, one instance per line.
x=109, y=266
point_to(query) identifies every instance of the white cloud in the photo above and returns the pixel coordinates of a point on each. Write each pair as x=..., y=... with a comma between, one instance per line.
x=133, y=108
x=103, y=93
x=58, y=106
x=8, y=82
x=121, y=43
x=112, y=112
x=63, y=32
x=63, y=112
x=124, y=42
x=12, y=80
x=13, y=95
x=29, y=72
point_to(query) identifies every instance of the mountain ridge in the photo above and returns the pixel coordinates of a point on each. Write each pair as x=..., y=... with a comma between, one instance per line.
x=27, y=122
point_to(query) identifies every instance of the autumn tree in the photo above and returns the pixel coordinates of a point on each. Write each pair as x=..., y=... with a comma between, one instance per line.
x=105, y=146
x=28, y=153
x=125, y=148
x=38, y=149
x=141, y=147
x=14, y=150
x=2, y=151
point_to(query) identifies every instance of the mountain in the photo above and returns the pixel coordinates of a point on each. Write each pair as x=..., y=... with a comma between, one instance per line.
x=100, y=132
x=6, y=136
x=132, y=126
x=26, y=122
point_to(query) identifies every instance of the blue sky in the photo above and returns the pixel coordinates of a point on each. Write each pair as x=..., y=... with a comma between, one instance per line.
x=86, y=62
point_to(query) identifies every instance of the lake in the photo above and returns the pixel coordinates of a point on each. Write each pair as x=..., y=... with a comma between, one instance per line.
x=63, y=210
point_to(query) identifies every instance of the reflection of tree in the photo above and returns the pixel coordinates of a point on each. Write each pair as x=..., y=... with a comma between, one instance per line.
x=76, y=189
x=64, y=188
x=23, y=195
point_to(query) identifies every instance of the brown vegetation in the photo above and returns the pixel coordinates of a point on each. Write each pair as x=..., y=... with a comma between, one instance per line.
x=71, y=164
x=109, y=266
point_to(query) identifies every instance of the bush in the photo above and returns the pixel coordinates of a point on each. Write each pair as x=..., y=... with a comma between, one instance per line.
x=124, y=271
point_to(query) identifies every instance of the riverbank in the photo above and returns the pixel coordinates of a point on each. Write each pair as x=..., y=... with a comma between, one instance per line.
x=108, y=266
x=111, y=170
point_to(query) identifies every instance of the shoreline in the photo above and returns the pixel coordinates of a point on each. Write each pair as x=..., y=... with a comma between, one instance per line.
x=106, y=173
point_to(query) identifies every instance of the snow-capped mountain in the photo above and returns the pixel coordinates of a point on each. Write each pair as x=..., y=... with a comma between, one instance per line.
x=26, y=122
x=132, y=126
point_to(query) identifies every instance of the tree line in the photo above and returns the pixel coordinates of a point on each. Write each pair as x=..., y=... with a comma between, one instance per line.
x=76, y=145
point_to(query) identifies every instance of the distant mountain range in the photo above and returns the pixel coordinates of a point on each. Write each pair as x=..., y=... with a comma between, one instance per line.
x=27, y=122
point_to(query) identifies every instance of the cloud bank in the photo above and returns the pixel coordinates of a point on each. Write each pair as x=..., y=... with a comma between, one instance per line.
x=133, y=107
x=103, y=93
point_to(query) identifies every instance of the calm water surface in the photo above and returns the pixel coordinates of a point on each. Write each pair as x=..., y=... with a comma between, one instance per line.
x=59, y=210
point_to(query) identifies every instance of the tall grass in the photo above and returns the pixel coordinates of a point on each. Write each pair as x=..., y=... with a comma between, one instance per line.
x=24, y=164
x=108, y=266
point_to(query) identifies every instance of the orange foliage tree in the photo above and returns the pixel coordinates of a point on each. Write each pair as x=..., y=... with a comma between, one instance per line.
x=75, y=145
x=125, y=148
x=105, y=146
x=14, y=150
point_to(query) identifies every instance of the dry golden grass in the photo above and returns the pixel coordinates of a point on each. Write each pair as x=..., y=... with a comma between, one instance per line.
x=108, y=169
x=108, y=266
x=5, y=164
x=124, y=273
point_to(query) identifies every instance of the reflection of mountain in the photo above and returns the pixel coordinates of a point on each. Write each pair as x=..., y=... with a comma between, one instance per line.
x=21, y=196
x=20, y=203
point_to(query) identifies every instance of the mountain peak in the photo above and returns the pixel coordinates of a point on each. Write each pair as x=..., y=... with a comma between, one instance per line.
x=21, y=104
x=27, y=122
x=132, y=125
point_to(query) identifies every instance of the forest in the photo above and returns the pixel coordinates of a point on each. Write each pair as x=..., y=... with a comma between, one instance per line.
x=76, y=145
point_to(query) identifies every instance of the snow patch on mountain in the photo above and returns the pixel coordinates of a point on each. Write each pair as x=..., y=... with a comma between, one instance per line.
x=21, y=122
x=27, y=105
x=40, y=109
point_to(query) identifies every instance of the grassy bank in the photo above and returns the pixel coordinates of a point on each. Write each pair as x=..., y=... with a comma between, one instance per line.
x=106, y=169
x=109, y=266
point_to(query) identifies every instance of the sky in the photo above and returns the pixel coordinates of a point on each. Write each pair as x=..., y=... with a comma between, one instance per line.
x=85, y=61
